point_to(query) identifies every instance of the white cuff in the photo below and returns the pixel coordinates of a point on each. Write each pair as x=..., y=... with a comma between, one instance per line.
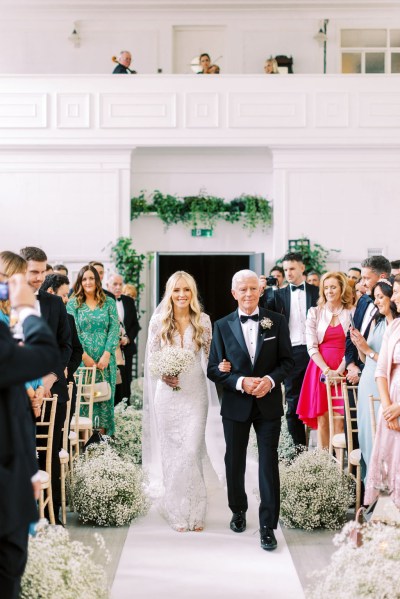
x=272, y=382
x=239, y=384
x=25, y=312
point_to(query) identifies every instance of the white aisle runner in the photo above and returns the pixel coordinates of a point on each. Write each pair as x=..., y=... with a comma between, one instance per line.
x=158, y=562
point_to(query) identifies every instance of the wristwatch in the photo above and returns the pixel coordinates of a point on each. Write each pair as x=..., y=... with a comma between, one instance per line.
x=372, y=355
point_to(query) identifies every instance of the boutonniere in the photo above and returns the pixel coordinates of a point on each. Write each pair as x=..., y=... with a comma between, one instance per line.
x=266, y=323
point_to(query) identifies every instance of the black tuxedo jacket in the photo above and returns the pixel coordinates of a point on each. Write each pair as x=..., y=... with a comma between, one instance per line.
x=351, y=353
x=273, y=357
x=131, y=324
x=53, y=311
x=77, y=350
x=121, y=70
x=279, y=301
x=38, y=356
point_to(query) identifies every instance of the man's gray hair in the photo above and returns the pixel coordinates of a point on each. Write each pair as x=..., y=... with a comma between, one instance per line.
x=241, y=275
x=114, y=274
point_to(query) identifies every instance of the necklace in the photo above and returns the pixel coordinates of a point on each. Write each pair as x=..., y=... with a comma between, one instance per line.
x=336, y=313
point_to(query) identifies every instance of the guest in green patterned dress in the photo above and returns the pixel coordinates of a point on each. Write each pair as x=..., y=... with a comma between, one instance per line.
x=96, y=319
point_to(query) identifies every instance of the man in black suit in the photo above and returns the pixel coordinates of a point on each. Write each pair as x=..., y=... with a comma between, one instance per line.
x=293, y=302
x=18, y=463
x=256, y=343
x=127, y=313
x=53, y=311
x=124, y=62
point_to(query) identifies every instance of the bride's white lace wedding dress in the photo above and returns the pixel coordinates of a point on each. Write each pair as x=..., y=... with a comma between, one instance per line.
x=180, y=421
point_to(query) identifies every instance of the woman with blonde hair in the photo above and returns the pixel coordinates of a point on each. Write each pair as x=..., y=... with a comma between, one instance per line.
x=326, y=329
x=176, y=407
x=10, y=264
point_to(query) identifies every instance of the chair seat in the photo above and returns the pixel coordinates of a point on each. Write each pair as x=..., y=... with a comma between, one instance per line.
x=355, y=457
x=63, y=454
x=44, y=477
x=339, y=441
x=83, y=422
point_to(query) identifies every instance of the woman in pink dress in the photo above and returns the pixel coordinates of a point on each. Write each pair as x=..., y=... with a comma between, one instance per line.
x=384, y=467
x=326, y=329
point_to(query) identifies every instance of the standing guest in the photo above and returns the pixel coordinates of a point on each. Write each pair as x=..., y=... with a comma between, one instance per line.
x=360, y=289
x=354, y=273
x=257, y=346
x=99, y=266
x=395, y=264
x=49, y=270
x=204, y=63
x=123, y=63
x=294, y=302
x=19, y=476
x=179, y=417
x=327, y=326
x=313, y=278
x=60, y=269
x=279, y=274
x=127, y=314
x=385, y=459
x=59, y=285
x=53, y=311
x=130, y=290
x=369, y=353
x=271, y=67
x=96, y=320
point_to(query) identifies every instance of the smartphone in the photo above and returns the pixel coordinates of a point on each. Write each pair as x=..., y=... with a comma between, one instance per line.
x=353, y=326
x=3, y=291
x=322, y=378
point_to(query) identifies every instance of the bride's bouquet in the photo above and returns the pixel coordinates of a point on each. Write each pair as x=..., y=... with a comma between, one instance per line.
x=171, y=361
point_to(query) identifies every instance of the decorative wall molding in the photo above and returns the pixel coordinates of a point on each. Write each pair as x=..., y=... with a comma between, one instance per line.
x=73, y=111
x=267, y=110
x=23, y=110
x=137, y=111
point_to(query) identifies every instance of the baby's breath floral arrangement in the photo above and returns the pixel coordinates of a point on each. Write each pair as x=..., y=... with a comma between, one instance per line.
x=315, y=492
x=171, y=361
x=370, y=571
x=106, y=489
x=286, y=448
x=59, y=568
x=136, y=399
x=128, y=432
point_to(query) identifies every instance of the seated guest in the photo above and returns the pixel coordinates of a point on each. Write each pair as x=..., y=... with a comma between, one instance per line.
x=368, y=350
x=60, y=269
x=354, y=273
x=313, y=278
x=213, y=70
x=385, y=459
x=129, y=290
x=204, y=63
x=395, y=267
x=326, y=329
x=271, y=67
x=97, y=323
x=123, y=63
x=99, y=266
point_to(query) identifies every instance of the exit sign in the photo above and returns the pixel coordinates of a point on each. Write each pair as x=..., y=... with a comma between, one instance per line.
x=202, y=232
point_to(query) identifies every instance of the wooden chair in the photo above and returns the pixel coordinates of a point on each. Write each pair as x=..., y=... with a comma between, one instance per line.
x=44, y=442
x=82, y=426
x=336, y=442
x=354, y=455
x=64, y=456
x=372, y=401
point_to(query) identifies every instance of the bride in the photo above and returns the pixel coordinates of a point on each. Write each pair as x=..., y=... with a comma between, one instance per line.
x=174, y=447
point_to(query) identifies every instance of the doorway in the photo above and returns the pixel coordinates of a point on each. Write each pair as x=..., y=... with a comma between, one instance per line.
x=213, y=274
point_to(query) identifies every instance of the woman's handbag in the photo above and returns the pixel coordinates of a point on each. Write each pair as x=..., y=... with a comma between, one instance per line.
x=102, y=390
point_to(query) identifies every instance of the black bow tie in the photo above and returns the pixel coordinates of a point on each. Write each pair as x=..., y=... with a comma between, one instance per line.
x=119, y=299
x=244, y=318
x=295, y=288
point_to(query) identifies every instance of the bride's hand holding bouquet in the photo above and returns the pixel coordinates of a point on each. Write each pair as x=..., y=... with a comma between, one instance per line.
x=169, y=362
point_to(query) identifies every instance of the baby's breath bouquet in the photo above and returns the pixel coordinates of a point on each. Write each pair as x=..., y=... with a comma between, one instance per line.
x=136, y=398
x=315, y=492
x=59, y=568
x=106, y=489
x=127, y=439
x=286, y=448
x=171, y=361
x=370, y=571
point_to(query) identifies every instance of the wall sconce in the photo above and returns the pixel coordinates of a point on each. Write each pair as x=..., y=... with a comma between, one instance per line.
x=74, y=37
x=322, y=38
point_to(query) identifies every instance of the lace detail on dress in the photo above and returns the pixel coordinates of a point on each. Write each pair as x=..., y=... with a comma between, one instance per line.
x=181, y=421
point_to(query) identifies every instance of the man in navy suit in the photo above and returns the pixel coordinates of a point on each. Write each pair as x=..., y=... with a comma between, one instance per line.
x=256, y=343
x=293, y=302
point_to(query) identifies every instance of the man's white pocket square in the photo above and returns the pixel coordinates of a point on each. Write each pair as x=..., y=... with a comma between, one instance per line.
x=269, y=339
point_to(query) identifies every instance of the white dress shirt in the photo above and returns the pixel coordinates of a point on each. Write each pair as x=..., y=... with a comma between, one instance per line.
x=298, y=316
x=369, y=313
x=120, y=310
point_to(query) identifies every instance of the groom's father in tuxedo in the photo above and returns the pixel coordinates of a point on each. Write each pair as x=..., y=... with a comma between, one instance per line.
x=256, y=343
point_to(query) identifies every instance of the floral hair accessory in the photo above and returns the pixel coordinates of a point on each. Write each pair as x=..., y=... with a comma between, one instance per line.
x=385, y=281
x=266, y=323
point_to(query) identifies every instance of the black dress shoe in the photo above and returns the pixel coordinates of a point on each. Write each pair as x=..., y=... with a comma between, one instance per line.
x=238, y=522
x=267, y=539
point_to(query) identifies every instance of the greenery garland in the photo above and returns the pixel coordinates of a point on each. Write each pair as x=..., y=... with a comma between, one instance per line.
x=251, y=211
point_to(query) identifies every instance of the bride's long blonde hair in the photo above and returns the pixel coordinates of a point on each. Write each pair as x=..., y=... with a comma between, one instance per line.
x=168, y=324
